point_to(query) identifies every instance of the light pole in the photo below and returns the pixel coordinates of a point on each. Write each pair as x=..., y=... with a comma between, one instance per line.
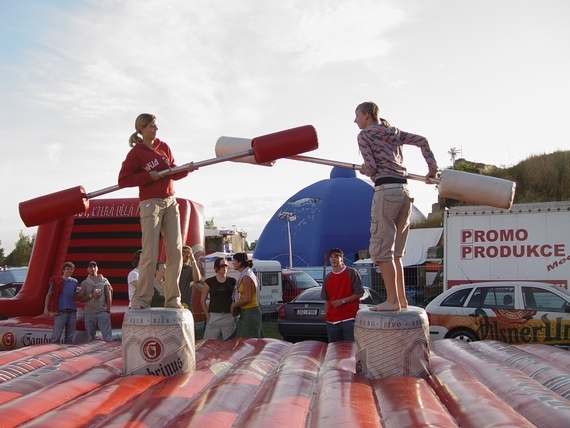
x=283, y=215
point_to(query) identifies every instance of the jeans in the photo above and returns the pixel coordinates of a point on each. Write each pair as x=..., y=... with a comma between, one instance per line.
x=63, y=320
x=340, y=331
x=103, y=319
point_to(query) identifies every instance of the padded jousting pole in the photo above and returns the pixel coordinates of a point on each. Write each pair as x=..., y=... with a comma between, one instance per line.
x=452, y=184
x=263, y=150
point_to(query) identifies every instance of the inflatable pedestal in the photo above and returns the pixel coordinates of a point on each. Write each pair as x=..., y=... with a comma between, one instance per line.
x=392, y=343
x=158, y=341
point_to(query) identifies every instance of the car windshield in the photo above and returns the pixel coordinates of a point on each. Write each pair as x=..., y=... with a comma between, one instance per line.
x=457, y=298
x=311, y=294
x=13, y=275
x=303, y=280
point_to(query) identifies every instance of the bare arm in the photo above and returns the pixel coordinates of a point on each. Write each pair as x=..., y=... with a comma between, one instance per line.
x=203, y=297
x=109, y=297
x=247, y=283
x=46, y=303
x=352, y=298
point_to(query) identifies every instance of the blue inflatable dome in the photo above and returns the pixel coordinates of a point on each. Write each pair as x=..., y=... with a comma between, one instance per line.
x=329, y=213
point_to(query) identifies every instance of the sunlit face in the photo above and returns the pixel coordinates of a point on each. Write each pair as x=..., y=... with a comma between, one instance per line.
x=361, y=119
x=186, y=254
x=335, y=260
x=236, y=264
x=92, y=270
x=149, y=132
x=67, y=272
x=224, y=266
x=161, y=271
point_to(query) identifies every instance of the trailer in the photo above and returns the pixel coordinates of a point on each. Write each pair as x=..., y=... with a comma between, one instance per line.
x=529, y=242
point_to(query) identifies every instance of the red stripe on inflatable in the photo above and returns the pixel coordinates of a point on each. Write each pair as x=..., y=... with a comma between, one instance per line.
x=528, y=397
x=551, y=375
x=464, y=396
x=59, y=369
x=556, y=355
x=100, y=403
x=24, y=361
x=340, y=356
x=409, y=402
x=285, y=398
x=166, y=400
x=227, y=400
x=345, y=399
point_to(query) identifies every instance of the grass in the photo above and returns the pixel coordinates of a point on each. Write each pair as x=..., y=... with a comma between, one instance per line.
x=270, y=330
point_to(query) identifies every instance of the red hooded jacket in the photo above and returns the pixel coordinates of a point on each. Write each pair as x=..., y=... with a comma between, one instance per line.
x=136, y=168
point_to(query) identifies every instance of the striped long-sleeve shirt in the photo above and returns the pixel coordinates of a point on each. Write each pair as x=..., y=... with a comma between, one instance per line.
x=381, y=150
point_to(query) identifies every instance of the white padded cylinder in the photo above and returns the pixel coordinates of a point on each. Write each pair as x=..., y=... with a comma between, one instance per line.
x=230, y=145
x=158, y=341
x=476, y=189
x=392, y=343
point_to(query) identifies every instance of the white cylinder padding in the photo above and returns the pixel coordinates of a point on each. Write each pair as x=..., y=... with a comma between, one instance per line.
x=159, y=342
x=476, y=189
x=230, y=145
x=392, y=343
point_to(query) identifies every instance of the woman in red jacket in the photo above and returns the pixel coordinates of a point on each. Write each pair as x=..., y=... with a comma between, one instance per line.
x=158, y=210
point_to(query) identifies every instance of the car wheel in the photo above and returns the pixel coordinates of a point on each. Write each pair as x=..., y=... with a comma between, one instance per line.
x=464, y=335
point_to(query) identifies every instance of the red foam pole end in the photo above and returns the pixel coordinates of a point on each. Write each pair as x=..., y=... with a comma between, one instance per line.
x=283, y=144
x=54, y=206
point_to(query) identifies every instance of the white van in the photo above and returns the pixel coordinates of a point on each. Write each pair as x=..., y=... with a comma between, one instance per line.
x=268, y=273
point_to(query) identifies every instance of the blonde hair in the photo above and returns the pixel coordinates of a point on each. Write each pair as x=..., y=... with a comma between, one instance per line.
x=374, y=111
x=141, y=121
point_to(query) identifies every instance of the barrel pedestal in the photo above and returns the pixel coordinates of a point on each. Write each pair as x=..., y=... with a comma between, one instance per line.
x=392, y=343
x=158, y=341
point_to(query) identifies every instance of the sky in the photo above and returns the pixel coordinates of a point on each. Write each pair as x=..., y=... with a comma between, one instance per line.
x=489, y=78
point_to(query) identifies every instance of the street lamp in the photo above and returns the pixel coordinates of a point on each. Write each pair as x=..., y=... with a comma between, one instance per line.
x=283, y=215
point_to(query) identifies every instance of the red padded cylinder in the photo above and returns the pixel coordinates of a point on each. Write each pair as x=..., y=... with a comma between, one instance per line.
x=283, y=144
x=54, y=206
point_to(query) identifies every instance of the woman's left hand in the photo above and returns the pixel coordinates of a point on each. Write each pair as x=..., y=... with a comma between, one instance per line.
x=192, y=167
x=155, y=175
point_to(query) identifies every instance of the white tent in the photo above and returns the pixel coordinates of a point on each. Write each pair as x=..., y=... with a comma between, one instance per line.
x=419, y=240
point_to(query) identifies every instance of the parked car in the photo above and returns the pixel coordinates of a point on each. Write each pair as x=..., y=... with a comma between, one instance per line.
x=11, y=281
x=10, y=275
x=512, y=312
x=10, y=289
x=294, y=282
x=303, y=318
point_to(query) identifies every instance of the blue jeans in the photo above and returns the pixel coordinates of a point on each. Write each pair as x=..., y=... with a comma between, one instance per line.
x=63, y=320
x=340, y=331
x=103, y=319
